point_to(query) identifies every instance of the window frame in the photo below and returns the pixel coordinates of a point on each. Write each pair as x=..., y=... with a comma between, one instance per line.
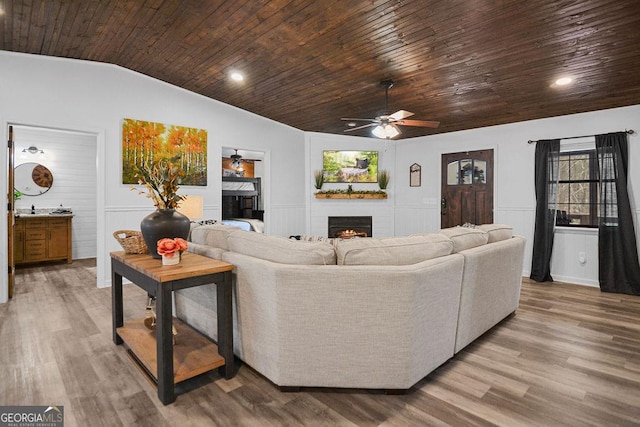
x=594, y=184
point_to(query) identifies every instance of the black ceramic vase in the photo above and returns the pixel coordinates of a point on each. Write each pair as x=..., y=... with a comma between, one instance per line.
x=163, y=223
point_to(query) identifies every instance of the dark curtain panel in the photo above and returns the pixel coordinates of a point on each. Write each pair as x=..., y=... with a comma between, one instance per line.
x=546, y=176
x=619, y=270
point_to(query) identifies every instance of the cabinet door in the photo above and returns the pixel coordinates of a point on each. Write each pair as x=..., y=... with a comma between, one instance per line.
x=18, y=242
x=58, y=239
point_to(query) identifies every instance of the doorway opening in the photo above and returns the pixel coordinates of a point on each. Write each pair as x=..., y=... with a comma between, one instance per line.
x=244, y=188
x=71, y=159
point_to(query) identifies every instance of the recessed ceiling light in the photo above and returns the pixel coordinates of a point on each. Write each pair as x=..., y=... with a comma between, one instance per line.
x=238, y=77
x=351, y=124
x=563, y=81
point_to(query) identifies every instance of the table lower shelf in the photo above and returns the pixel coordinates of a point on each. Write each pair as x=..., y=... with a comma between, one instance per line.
x=193, y=353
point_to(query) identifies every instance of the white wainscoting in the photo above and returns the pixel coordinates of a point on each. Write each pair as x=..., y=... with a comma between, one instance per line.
x=285, y=220
x=412, y=219
x=568, y=243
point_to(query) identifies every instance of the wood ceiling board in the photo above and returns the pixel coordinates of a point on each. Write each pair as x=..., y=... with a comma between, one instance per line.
x=466, y=64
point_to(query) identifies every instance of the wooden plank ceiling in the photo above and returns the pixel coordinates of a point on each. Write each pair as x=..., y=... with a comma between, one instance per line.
x=465, y=63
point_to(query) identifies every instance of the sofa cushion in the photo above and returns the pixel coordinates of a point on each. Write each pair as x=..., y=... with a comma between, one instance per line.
x=281, y=249
x=497, y=232
x=393, y=250
x=465, y=237
x=212, y=235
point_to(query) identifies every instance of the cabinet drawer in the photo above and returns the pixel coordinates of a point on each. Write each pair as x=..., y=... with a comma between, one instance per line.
x=36, y=223
x=36, y=234
x=34, y=253
x=58, y=223
x=35, y=244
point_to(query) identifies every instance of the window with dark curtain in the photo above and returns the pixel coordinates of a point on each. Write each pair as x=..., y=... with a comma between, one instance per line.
x=578, y=189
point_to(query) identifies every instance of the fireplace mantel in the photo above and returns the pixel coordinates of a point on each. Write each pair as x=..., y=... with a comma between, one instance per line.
x=351, y=196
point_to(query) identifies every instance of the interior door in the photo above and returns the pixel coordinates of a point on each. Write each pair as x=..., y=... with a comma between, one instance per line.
x=467, y=188
x=10, y=216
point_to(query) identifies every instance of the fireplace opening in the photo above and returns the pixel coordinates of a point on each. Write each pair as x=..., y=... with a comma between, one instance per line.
x=346, y=227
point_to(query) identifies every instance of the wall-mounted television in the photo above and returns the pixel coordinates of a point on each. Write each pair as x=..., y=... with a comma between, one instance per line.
x=350, y=166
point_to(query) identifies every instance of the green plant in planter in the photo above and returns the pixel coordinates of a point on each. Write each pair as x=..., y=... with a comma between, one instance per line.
x=351, y=191
x=319, y=178
x=383, y=178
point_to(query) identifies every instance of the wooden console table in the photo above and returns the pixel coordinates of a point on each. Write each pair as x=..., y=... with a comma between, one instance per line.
x=193, y=354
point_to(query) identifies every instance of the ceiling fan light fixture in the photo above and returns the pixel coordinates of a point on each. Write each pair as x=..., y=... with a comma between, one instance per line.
x=235, y=161
x=385, y=131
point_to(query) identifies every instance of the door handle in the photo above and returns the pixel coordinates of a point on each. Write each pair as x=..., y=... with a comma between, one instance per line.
x=443, y=206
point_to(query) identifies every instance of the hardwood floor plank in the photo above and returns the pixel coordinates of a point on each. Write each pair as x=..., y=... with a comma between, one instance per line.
x=569, y=356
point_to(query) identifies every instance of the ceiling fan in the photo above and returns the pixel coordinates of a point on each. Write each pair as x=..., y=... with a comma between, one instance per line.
x=385, y=126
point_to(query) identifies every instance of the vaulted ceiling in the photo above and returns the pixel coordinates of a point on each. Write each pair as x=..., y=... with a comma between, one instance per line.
x=465, y=63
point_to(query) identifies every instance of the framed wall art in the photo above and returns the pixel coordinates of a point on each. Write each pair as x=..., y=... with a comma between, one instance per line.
x=149, y=142
x=415, y=175
x=350, y=166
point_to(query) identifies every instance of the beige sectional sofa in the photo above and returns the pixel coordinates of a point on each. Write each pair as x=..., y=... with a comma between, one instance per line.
x=359, y=313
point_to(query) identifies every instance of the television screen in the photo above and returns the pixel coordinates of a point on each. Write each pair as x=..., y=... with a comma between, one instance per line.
x=350, y=166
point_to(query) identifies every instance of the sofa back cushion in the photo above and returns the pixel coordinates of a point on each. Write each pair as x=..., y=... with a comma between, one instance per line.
x=497, y=232
x=465, y=237
x=281, y=249
x=212, y=235
x=393, y=250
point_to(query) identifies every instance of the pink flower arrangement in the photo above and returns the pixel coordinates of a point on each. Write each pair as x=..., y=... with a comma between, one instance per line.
x=168, y=247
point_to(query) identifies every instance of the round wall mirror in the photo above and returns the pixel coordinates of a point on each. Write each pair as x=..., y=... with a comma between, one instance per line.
x=32, y=179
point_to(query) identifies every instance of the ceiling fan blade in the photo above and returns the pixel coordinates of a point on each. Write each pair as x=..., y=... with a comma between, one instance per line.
x=350, y=119
x=401, y=114
x=360, y=127
x=419, y=123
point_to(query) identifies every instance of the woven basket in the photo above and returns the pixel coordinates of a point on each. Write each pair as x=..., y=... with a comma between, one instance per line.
x=131, y=241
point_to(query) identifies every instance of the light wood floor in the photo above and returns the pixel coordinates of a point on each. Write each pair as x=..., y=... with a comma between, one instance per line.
x=570, y=356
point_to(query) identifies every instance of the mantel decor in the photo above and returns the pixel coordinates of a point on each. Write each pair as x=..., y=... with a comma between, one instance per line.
x=354, y=194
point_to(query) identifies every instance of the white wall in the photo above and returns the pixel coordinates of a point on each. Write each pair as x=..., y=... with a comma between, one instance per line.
x=94, y=97
x=71, y=158
x=417, y=208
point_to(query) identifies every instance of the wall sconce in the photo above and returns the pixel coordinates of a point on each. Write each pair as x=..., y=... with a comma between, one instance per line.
x=192, y=207
x=33, y=150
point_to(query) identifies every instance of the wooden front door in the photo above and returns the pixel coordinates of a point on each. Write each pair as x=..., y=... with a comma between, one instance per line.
x=467, y=188
x=10, y=216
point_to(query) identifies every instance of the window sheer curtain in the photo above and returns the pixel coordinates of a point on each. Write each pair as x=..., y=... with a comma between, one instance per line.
x=546, y=183
x=619, y=269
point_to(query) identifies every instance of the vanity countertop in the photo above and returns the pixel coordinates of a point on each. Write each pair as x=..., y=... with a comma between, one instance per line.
x=42, y=215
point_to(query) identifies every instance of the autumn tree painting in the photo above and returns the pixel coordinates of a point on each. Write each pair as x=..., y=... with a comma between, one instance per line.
x=148, y=143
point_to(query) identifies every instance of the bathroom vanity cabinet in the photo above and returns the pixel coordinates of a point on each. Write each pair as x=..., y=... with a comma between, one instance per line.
x=42, y=238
